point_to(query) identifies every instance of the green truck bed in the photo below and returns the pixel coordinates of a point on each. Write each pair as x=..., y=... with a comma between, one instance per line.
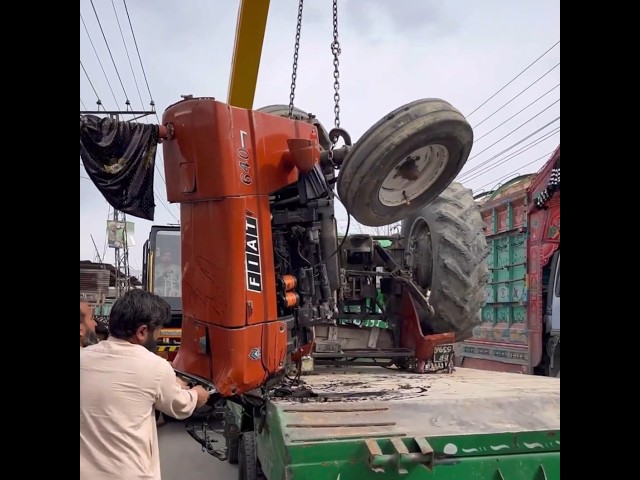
x=383, y=424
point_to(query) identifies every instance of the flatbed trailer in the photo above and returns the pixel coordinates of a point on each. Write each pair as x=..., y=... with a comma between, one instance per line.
x=372, y=422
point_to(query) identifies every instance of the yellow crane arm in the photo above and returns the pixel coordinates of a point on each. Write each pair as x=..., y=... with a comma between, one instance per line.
x=245, y=63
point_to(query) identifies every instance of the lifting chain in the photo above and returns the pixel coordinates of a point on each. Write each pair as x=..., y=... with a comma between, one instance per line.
x=335, y=50
x=294, y=74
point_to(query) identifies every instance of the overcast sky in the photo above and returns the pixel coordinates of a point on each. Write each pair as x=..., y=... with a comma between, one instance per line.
x=462, y=51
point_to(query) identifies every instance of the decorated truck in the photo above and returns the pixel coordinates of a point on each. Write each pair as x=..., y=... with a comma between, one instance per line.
x=520, y=330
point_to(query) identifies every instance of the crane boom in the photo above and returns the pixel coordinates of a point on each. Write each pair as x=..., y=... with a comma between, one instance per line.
x=245, y=63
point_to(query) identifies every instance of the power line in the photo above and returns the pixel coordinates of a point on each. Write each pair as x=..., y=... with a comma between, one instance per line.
x=156, y=164
x=511, y=147
x=144, y=73
x=138, y=50
x=170, y=213
x=515, y=171
x=90, y=82
x=159, y=154
x=157, y=196
x=127, y=51
x=162, y=202
x=514, y=78
x=519, y=112
x=159, y=172
x=110, y=54
x=527, y=88
x=99, y=61
x=83, y=105
x=473, y=172
x=135, y=264
x=513, y=155
x=497, y=160
x=517, y=128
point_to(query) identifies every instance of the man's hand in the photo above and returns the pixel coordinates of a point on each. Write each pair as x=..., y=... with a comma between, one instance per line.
x=184, y=385
x=203, y=395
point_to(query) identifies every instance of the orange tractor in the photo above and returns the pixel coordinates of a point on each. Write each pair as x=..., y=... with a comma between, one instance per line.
x=267, y=281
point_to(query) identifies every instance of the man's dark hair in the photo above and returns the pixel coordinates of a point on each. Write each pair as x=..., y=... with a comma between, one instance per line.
x=136, y=308
x=102, y=329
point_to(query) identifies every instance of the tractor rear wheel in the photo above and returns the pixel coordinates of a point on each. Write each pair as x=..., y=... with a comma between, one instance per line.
x=447, y=251
x=404, y=162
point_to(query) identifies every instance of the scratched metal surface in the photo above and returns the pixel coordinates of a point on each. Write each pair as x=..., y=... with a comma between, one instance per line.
x=374, y=403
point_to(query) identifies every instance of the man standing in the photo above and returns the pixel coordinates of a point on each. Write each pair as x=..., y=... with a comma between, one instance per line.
x=88, y=325
x=122, y=381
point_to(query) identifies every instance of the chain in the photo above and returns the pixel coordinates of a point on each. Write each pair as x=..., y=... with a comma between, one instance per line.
x=335, y=50
x=294, y=74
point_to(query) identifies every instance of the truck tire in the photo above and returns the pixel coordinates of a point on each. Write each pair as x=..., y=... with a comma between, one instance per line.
x=448, y=251
x=404, y=162
x=249, y=467
x=555, y=371
x=234, y=452
x=233, y=441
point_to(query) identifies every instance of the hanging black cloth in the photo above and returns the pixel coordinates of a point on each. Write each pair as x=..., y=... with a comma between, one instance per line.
x=119, y=158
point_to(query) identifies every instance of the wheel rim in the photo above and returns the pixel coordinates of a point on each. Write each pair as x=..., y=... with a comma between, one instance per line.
x=413, y=175
x=421, y=251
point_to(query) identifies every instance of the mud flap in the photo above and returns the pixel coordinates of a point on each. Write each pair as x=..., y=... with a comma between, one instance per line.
x=433, y=353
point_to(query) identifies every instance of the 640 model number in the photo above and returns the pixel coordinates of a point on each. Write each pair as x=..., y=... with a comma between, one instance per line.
x=243, y=160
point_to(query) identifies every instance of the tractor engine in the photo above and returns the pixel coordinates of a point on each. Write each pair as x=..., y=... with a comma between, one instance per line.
x=322, y=280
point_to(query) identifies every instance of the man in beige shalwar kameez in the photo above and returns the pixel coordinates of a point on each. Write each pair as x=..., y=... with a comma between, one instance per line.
x=121, y=383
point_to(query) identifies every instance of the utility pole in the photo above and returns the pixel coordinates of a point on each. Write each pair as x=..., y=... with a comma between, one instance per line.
x=121, y=250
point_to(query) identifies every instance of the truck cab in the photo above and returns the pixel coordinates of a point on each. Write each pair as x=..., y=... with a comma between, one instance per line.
x=161, y=274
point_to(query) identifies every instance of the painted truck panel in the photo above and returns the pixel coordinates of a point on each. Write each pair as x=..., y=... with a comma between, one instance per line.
x=522, y=239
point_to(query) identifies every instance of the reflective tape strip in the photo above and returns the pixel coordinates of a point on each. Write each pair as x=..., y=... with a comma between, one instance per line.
x=168, y=349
